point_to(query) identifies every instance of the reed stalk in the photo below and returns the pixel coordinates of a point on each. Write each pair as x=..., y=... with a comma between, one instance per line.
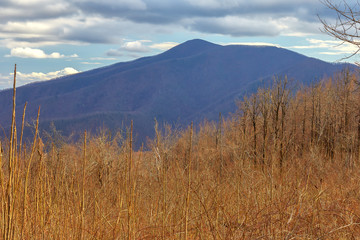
x=187, y=201
x=22, y=130
x=130, y=187
x=82, y=205
x=10, y=188
x=25, y=194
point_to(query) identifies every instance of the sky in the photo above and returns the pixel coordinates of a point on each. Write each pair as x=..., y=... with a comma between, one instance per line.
x=52, y=38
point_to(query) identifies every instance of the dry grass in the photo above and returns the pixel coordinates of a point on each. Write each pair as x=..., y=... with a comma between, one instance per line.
x=212, y=183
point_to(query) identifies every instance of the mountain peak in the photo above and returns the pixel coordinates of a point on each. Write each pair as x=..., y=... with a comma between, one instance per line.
x=190, y=47
x=198, y=42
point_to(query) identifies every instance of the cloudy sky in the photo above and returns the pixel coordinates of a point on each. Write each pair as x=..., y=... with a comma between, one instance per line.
x=51, y=38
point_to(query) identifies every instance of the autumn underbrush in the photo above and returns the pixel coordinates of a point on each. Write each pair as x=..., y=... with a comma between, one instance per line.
x=309, y=198
x=282, y=167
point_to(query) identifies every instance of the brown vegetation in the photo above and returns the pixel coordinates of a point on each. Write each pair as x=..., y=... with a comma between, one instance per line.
x=285, y=166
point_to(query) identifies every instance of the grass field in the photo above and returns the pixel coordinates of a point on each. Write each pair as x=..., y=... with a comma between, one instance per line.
x=284, y=166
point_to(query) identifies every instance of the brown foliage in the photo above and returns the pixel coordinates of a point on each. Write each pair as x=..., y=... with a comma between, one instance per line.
x=284, y=167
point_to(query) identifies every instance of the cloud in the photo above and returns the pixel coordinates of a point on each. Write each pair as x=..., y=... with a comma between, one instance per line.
x=34, y=53
x=214, y=4
x=36, y=23
x=132, y=47
x=238, y=4
x=333, y=47
x=164, y=12
x=40, y=76
x=330, y=53
x=135, y=46
x=35, y=9
x=25, y=78
x=163, y=46
x=91, y=63
x=121, y=53
x=103, y=58
x=111, y=5
x=77, y=30
x=238, y=26
x=114, y=53
x=252, y=44
x=93, y=29
x=317, y=43
x=257, y=25
x=297, y=27
x=5, y=81
x=328, y=48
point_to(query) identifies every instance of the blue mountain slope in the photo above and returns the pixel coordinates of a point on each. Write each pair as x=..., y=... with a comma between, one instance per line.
x=192, y=81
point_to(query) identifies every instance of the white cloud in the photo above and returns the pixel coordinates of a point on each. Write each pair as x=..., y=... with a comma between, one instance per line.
x=46, y=76
x=25, y=78
x=293, y=26
x=31, y=28
x=32, y=53
x=330, y=53
x=332, y=47
x=132, y=47
x=252, y=44
x=317, y=43
x=103, y=58
x=135, y=46
x=164, y=46
x=5, y=81
x=91, y=63
x=35, y=53
x=75, y=30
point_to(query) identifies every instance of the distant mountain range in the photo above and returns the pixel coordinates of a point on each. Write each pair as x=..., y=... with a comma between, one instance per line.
x=190, y=82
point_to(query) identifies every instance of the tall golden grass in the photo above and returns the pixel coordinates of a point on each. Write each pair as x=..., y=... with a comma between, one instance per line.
x=285, y=166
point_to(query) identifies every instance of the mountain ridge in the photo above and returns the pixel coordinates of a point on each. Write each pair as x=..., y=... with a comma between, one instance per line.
x=192, y=81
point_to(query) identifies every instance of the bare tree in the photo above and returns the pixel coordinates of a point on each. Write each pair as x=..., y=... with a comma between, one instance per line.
x=347, y=25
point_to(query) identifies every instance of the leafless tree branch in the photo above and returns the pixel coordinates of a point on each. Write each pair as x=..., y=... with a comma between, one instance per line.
x=347, y=25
